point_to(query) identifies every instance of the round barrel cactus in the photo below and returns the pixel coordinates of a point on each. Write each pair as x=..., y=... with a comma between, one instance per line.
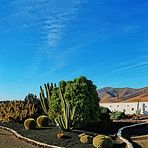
x=102, y=141
x=29, y=124
x=86, y=139
x=42, y=121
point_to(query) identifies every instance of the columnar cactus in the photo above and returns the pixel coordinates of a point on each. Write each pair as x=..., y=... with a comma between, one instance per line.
x=45, y=100
x=66, y=120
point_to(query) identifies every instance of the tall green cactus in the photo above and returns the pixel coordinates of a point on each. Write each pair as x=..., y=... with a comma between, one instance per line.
x=66, y=120
x=45, y=100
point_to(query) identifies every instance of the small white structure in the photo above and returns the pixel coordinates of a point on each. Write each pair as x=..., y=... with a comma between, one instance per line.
x=128, y=108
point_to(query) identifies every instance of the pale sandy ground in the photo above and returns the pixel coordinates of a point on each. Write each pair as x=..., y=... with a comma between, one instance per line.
x=8, y=141
x=141, y=140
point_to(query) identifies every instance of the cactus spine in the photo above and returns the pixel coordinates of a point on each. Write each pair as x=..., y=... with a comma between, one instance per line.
x=66, y=120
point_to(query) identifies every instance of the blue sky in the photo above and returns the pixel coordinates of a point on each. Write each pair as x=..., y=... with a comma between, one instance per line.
x=51, y=40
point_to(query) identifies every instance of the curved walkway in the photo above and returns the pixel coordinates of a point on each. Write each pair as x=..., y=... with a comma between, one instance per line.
x=123, y=137
x=7, y=140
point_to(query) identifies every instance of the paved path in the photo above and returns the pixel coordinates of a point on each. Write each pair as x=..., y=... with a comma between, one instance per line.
x=126, y=132
x=7, y=140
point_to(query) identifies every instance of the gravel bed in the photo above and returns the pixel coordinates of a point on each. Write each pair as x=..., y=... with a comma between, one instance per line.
x=48, y=135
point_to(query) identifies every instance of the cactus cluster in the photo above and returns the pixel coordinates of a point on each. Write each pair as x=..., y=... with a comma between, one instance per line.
x=102, y=141
x=41, y=121
x=80, y=92
x=98, y=141
x=65, y=120
x=16, y=111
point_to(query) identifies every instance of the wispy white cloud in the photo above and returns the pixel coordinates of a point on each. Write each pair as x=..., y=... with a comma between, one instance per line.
x=131, y=28
x=130, y=67
x=136, y=60
x=48, y=19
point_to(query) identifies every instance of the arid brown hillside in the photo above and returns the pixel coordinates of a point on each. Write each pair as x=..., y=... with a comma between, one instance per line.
x=142, y=97
x=109, y=94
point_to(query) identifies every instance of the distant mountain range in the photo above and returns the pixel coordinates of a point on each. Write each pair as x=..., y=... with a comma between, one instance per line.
x=110, y=94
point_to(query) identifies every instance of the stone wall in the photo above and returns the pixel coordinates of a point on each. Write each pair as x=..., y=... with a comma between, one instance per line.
x=129, y=108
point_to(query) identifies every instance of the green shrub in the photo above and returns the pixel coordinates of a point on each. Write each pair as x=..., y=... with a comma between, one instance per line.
x=29, y=124
x=117, y=115
x=105, y=121
x=104, y=110
x=102, y=141
x=42, y=121
x=83, y=94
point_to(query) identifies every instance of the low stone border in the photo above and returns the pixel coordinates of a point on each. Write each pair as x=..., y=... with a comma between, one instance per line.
x=139, y=137
x=119, y=133
x=30, y=141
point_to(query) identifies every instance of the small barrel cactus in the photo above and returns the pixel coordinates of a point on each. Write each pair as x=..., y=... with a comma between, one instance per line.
x=29, y=124
x=102, y=141
x=86, y=139
x=42, y=121
x=60, y=135
x=82, y=135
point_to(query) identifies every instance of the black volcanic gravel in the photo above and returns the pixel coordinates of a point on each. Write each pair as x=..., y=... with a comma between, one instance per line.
x=48, y=135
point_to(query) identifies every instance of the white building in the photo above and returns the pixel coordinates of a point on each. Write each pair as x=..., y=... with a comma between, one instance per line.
x=128, y=108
